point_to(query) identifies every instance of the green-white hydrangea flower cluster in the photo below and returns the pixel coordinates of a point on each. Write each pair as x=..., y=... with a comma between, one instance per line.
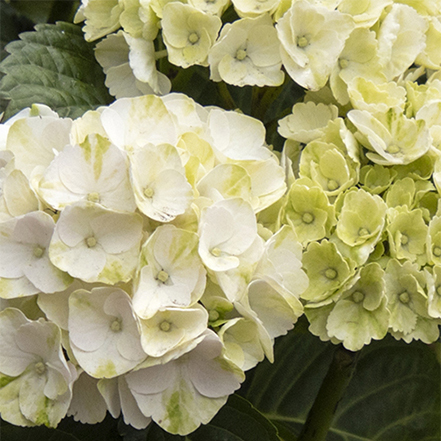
x=315, y=41
x=135, y=276
x=364, y=200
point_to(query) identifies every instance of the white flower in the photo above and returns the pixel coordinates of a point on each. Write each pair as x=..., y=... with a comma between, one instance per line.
x=312, y=38
x=172, y=274
x=96, y=244
x=172, y=327
x=103, y=332
x=161, y=189
x=119, y=399
x=183, y=393
x=226, y=229
x=247, y=54
x=25, y=267
x=132, y=123
x=188, y=34
x=36, y=381
x=96, y=171
x=130, y=66
x=234, y=135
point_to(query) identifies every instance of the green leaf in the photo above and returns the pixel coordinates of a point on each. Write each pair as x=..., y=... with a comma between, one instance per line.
x=67, y=430
x=238, y=420
x=54, y=66
x=394, y=394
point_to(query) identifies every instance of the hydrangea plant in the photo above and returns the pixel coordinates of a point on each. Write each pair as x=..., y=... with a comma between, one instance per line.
x=153, y=247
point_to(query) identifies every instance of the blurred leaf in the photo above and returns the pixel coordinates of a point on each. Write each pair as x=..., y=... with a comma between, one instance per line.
x=394, y=394
x=238, y=420
x=44, y=11
x=54, y=66
x=67, y=430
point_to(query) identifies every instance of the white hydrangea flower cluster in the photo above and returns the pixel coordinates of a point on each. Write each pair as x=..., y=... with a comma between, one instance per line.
x=135, y=276
x=315, y=41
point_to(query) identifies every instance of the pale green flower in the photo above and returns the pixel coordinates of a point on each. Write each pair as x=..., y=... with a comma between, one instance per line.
x=312, y=38
x=391, y=137
x=364, y=12
x=326, y=269
x=242, y=342
x=309, y=212
x=328, y=166
x=360, y=315
x=365, y=94
x=430, y=56
x=361, y=219
x=376, y=178
x=434, y=241
x=434, y=291
x=188, y=34
x=255, y=8
x=213, y=7
x=102, y=17
x=407, y=234
x=358, y=59
x=406, y=298
x=307, y=122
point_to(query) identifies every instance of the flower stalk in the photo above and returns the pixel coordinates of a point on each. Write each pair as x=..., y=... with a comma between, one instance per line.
x=334, y=385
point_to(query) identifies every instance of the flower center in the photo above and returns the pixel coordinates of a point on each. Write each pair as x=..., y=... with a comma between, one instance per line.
x=363, y=232
x=116, y=325
x=404, y=297
x=343, y=63
x=193, y=38
x=93, y=197
x=38, y=251
x=307, y=218
x=404, y=239
x=331, y=273
x=302, y=42
x=392, y=149
x=165, y=326
x=357, y=296
x=437, y=251
x=149, y=192
x=213, y=315
x=241, y=54
x=332, y=185
x=40, y=368
x=216, y=252
x=162, y=276
x=91, y=242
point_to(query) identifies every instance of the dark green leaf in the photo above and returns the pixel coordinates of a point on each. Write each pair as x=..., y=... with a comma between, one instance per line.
x=54, y=66
x=393, y=396
x=67, y=430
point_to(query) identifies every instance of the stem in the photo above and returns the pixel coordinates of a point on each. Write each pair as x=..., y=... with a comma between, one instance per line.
x=161, y=54
x=334, y=385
